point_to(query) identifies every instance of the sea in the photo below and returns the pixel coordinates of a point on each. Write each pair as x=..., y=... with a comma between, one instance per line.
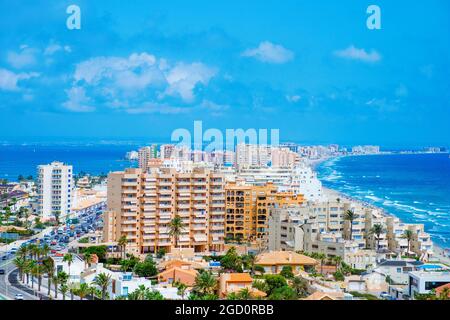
x=413, y=187
x=23, y=159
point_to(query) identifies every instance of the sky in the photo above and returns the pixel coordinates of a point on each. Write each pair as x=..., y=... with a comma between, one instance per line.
x=141, y=69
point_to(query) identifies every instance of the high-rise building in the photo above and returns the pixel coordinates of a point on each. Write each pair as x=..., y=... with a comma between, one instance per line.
x=141, y=206
x=55, y=188
x=145, y=154
x=247, y=209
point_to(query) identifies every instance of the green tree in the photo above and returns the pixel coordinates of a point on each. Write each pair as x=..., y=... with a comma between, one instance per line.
x=123, y=241
x=176, y=227
x=205, y=283
x=408, y=235
x=286, y=272
x=274, y=281
x=283, y=293
x=231, y=261
x=350, y=216
x=49, y=269
x=64, y=288
x=103, y=280
x=300, y=285
x=83, y=291
x=377, y=230
x=68, y=257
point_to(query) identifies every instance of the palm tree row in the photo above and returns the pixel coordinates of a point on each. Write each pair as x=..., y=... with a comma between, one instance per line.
x=33, y=262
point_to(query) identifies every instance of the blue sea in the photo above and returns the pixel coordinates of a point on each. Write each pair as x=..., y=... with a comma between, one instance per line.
x=23, y=160
x=413, y=187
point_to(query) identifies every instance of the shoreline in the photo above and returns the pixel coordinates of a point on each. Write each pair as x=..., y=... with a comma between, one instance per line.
x=438, y=251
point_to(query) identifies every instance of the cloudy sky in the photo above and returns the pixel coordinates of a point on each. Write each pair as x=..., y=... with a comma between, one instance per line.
x=312, y=69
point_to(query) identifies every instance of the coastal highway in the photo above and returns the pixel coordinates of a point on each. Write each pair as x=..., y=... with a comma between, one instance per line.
x=9, y=286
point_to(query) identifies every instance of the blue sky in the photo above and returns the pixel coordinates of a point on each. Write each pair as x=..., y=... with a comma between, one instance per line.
x=310, y=68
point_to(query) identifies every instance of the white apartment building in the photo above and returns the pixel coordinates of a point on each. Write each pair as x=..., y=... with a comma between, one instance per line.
x=145, y=154
x=304, y=181
x=55, y=190
x=420, y=244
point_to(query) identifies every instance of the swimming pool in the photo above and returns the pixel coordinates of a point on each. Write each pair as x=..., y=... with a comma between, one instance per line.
x=431, y=267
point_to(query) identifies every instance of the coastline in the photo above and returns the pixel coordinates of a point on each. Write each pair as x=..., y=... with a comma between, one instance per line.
x=438, y=252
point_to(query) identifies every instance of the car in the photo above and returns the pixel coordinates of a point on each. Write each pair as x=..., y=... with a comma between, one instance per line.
x=19, y=296
x=4, y=257
x=2, y=271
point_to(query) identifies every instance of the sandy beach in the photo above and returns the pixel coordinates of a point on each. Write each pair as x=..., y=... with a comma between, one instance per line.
x=439, y=253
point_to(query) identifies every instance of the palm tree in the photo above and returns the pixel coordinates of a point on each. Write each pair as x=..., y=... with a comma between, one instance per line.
x=83, y=291
x=408, y=235
x=49, y=268
x=20, y=263
x=350, y=216
x=22, y=252
x=38, y=271
x=103, y=280
x=64, y=288
x=338, y=262
x=205, y=283
x=73, y=289
x=181, y=289
x=377, y=230
x=123, y=241
x=68, y=257
x=176, y=227
x=87, y=259
x=249, y=262
x=300, y=286
x=244, y=294
x=61, y=278
x=322, y=257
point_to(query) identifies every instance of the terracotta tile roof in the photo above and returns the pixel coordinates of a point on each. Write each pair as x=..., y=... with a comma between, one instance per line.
x=284, y=258
x=239, y=277
x=441, y=288
x=319, y=295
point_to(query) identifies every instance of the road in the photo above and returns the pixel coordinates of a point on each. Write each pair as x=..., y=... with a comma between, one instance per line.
x=9, y=286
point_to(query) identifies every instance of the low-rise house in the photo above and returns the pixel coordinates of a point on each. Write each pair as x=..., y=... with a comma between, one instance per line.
x=319, y=295
x=235, y=282
x=274, y=261
x=182, y=264
x=397, y=270
x=176, y=274
x=423, y=282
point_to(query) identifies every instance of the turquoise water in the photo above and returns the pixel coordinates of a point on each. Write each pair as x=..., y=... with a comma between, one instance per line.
x=413, y=187
x=18, y=160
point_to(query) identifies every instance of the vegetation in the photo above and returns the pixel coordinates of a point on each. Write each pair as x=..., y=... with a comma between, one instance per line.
x=176, y=227
x=366, y=296
x=350, y=216
x=408, y=235
x=377, y=230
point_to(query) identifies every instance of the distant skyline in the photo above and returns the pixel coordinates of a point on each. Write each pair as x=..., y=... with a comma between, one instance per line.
x=139, y=70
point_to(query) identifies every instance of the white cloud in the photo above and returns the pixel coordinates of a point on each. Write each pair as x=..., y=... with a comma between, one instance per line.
x=54, y=47
x=138, y=83
x=269, y=52
x=135, y=72
x=24, y=58
x=183, y=78
x=9, y=80
x=77, y=100
x=354, y=53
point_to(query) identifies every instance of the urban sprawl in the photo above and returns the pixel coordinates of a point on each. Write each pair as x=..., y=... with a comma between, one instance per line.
x=252, y=223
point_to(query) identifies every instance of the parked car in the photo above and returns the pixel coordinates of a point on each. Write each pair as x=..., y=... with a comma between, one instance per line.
x=19, y=296
x=2, y=271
